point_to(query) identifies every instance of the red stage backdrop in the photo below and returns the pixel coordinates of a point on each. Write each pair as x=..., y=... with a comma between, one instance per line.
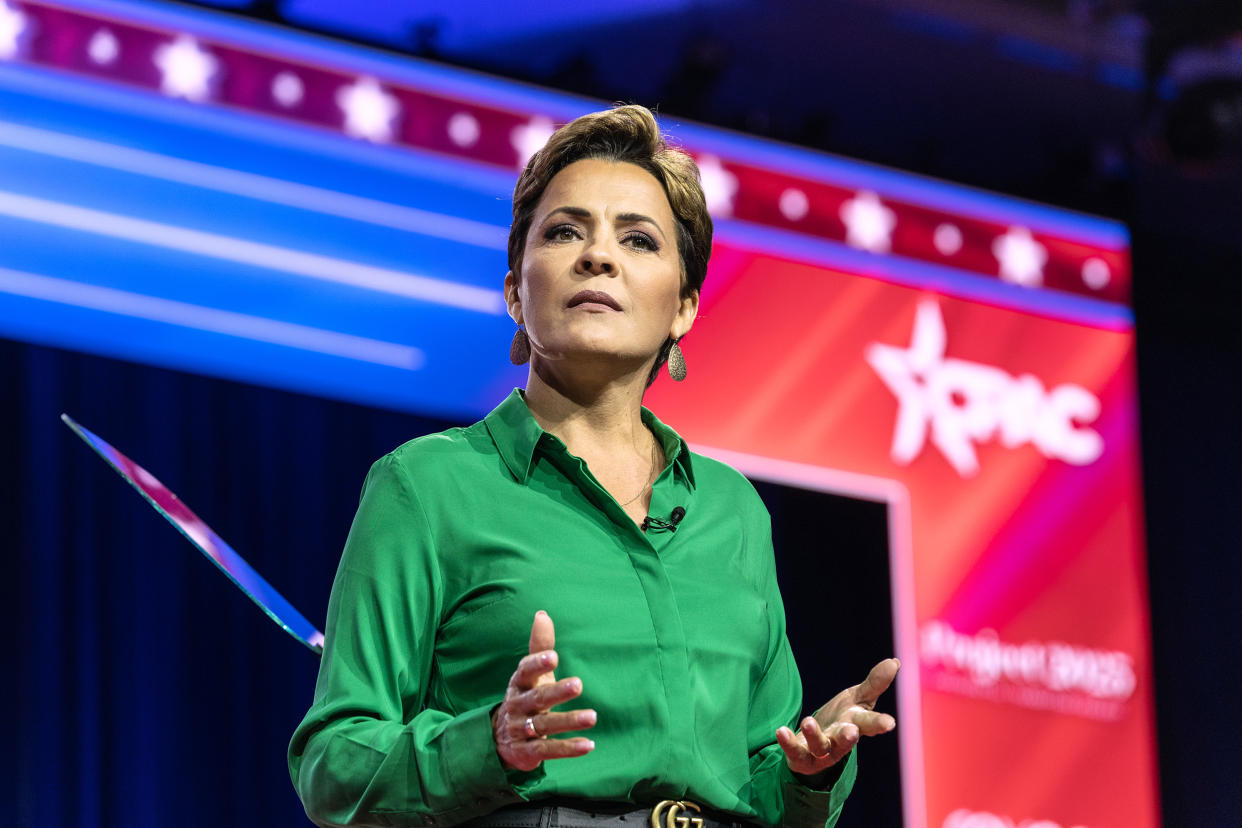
x=1004, y=441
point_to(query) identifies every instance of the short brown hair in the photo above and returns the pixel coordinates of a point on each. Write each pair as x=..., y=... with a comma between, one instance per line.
x=629, y=133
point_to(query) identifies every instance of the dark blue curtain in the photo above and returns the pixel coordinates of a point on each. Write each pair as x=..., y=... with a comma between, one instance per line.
x=149, y=692
x=1187, y=299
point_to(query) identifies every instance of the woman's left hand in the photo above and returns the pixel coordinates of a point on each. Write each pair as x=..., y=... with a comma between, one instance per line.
x=827, y=737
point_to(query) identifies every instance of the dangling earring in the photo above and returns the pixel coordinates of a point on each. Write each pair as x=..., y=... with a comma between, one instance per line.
x=519, y=348
x=676, y=363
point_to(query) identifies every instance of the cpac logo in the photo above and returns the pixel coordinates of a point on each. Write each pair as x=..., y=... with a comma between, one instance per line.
x=965, y=403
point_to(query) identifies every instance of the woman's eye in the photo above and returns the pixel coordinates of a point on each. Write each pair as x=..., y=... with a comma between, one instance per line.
x=642, y=241
x=562, y=232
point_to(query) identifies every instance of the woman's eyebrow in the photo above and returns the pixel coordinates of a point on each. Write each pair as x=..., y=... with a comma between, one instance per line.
x=576, y=212
x=634, y=218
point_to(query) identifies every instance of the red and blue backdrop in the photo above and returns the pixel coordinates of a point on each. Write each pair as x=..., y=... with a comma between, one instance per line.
x=241, y=202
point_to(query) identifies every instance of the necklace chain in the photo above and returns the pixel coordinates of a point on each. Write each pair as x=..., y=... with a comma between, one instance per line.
x=651, y=476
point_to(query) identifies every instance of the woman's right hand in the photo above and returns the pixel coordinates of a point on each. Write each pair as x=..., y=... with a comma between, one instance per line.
x=523, y=721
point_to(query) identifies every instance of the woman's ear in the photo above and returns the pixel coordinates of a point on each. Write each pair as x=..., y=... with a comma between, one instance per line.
x=512, y=301
x=685, y=316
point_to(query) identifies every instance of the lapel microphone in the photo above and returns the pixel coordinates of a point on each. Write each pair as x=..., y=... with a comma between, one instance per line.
x=659, y=525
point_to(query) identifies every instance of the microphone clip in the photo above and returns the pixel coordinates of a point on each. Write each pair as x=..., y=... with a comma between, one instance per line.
x=656, y=524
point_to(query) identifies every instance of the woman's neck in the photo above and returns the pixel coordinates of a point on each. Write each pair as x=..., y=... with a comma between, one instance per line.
x=591, y=419
x=599, y=418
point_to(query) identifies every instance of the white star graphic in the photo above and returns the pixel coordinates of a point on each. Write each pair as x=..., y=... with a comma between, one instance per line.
x=907, y=372
x=868, y=223
x=12, y=26
x=529, y=138
x=188, y=69
x=287, y=89
x=1021, y=258
x=370, y=112
x=104, y=47
x=719, y=185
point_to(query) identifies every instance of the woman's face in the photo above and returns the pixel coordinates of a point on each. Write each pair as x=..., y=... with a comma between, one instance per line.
x=601, y=275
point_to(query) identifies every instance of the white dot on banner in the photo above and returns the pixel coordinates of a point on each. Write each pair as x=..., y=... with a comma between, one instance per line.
x=463, y=129
x=103, y=47
x=1096, y=274
x=794, y=204
x=948, y=239
x=287, y=89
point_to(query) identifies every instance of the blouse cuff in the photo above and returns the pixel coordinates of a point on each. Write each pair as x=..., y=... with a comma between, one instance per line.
x=482, y=783
x=805, y=806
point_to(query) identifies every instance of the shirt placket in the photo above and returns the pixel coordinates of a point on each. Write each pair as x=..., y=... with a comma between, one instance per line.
x=644, y=550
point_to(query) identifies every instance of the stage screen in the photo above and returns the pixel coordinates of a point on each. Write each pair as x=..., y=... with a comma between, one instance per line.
x=188, y=190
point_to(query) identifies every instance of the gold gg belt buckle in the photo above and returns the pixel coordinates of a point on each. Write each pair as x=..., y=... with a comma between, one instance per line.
x=671, y=811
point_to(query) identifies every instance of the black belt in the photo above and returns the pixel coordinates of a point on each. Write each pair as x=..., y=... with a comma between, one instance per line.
x=585, y=813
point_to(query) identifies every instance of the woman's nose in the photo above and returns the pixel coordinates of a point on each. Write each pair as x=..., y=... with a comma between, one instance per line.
x=597, y=261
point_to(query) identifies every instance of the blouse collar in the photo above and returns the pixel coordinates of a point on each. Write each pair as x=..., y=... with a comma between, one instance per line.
x=517, y=437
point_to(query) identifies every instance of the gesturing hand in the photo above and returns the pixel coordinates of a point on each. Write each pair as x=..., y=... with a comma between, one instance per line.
x=827, y=737
x=523, y=720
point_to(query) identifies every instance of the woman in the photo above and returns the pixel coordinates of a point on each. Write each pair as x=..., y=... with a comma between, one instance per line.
x=572, y=502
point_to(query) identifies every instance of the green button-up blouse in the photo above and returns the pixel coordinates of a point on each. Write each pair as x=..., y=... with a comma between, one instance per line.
x=678, y=637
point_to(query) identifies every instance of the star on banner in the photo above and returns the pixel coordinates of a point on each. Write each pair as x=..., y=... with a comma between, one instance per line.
x=529, y=138
x=369, y=110
x=188, y=69
x=719, y=185
x=868, y=223
x=1021, y=258
x=12, y=25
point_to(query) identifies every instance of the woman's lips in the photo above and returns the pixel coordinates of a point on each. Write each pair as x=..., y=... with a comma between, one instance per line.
x=594, y=297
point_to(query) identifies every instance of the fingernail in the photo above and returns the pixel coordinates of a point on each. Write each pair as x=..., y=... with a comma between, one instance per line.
x=545, y=659
x=590, y=745
x=588, y=718
x=575, y=685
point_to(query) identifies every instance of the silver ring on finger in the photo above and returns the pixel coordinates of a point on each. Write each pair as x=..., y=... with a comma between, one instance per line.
x=532, y=732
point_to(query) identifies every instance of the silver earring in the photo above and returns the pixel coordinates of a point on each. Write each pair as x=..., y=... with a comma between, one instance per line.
x=519, y=348
x=676, y=363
